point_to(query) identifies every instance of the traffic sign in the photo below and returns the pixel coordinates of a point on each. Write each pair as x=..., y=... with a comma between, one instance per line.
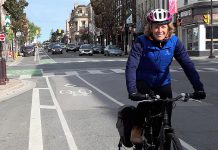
x=7, y=20
x=2, y=37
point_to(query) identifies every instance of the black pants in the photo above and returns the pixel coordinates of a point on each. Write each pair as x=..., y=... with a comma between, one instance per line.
x=154, y=108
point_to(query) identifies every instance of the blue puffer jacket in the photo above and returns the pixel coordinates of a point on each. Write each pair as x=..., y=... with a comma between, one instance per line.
x=150, y=63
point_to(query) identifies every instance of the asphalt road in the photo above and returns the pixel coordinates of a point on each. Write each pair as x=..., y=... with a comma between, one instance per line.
x=75, y=102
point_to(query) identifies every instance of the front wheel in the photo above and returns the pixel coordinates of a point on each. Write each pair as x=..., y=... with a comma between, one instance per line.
x=172, y=142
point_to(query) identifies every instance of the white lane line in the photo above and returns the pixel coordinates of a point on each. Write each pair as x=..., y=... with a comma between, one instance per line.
x=67, y=132
x=35, y=133
x=36, y=54
x=187, y=146
x=100, y=91
x=118, y=70
x=184, y=144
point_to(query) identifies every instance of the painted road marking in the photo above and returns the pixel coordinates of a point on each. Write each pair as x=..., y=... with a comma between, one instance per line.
x=95, y=72
x=35, y=133
x=211, y=69
x=27, y=76
x=173, y=70
x=68, y=134
x=71, y=73
x=118, y=70
x=47, y=107
x=79, y=92
x=69, y=85
x=33, y=72
x=184, y=144
x=187, y=146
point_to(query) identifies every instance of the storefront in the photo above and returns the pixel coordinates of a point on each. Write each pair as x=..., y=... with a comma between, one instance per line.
x=194, y=33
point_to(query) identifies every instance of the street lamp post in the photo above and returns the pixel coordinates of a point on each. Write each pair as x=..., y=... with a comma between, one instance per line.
x=211, y=23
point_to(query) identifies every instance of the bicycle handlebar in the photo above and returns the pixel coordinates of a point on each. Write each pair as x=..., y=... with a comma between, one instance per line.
x=183, y=97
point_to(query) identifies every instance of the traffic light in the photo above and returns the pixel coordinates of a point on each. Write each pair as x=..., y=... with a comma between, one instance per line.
x=206, y=18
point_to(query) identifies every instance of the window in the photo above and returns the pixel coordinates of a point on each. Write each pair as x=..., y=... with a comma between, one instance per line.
x=185, y=2
x=83, y=24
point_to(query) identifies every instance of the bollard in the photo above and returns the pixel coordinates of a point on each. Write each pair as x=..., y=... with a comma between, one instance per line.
x=4, y=70
x=2, y=78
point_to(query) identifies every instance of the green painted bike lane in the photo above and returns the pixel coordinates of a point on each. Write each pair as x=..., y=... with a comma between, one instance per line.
x=18, y=72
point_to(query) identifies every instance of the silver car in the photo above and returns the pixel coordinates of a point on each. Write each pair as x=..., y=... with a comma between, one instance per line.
x=112, y=50
x=86, y=49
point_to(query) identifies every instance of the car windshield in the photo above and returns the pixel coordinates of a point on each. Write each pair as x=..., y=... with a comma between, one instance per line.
x=86, y=46
x=56, y=46
x=71, y=45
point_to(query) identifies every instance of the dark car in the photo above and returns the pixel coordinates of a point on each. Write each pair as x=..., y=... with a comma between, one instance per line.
x=57, y=49
x=86, y=49
x=98, y=49
x=72, y=47
x=28, y=50
x=50, y=46
x=112, y=50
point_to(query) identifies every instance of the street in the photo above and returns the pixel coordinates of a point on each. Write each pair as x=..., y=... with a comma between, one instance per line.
x=75, y=102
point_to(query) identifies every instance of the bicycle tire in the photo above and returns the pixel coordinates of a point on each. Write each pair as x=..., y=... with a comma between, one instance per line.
x=172, y=142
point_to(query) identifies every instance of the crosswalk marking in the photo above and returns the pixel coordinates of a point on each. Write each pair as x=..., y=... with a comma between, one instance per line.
x=211, y=69
x=71, y=73
x=48, y=74
x=95, y=72
x=173, y=70
x=118, y=70
x=27, y=76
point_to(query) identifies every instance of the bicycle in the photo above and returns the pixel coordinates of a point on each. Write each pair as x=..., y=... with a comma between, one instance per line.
x=167, y=139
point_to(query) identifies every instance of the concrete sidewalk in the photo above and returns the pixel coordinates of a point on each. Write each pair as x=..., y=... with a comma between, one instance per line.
x=15, y=87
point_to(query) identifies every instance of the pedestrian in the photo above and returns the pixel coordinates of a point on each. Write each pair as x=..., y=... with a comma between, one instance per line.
x=147, y=68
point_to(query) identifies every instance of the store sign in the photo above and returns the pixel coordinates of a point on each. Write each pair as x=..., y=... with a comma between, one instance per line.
x=173, y=6
x=185, y=13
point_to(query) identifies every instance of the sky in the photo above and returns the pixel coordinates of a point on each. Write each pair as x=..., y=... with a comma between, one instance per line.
x=50, y=14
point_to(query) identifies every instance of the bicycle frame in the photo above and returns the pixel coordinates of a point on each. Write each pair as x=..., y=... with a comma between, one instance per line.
x=150, y=142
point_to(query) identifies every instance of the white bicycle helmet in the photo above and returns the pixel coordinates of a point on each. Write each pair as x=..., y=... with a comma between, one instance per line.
x=159, y=16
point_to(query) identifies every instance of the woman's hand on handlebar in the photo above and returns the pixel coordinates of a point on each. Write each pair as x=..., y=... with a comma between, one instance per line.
x=138, y=96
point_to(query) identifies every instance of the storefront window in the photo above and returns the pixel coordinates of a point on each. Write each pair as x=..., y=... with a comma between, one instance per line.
x=189, y=39
x=195, y=38
x=192, y=40
x=215, y=37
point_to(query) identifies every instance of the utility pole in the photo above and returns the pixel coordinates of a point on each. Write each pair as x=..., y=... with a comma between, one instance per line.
x=211, y=23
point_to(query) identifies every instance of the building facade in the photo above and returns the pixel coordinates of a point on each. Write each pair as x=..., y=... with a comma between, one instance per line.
x=194, y=32
x=78, y=23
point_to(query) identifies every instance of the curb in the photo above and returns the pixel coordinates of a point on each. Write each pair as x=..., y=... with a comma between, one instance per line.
x=21, y=87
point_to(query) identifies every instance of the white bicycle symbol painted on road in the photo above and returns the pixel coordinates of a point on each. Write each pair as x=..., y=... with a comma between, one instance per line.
x=79, y=92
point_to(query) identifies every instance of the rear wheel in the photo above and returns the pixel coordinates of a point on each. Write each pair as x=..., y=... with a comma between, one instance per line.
x=172, y=142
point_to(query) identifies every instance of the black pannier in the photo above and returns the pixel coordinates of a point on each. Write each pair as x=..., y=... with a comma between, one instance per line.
x=125, y=123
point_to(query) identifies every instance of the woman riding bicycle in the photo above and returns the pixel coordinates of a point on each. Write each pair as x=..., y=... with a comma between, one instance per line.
x=147, y=68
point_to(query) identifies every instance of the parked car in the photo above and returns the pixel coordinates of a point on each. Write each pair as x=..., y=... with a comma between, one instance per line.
x=63, y=46
x=28, y=50
x=98, y=49
x=72, y=47
x=50, y=46
x=112, y=50
x=57, y=49
x=86, y=49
